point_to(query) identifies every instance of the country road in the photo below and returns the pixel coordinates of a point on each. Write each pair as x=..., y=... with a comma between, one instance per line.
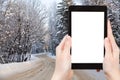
x=40, y=69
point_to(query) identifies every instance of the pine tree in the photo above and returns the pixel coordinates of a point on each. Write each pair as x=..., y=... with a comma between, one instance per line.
x=62, y=20
x=61, y=23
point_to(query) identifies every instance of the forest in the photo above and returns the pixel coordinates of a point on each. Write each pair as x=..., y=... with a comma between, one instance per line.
x=30, y=27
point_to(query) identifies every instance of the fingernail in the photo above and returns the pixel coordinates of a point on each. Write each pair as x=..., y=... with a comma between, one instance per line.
x=67, y=36
x=106, y=39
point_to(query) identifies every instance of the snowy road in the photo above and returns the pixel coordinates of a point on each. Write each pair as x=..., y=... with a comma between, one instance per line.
x=41, y=69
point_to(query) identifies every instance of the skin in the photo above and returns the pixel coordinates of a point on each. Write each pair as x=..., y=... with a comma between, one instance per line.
x=110, y=64
x=111, y=61
x=63, y=60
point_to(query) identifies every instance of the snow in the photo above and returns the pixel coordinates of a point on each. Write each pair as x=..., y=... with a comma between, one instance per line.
x=15, y=69
x=51, y=56
x=33, y=57
x=37, y=54
x=78, y=2
x=12, y=68
x=98, y=75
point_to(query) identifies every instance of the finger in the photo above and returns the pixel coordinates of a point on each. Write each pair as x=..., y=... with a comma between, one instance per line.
x=61, y=45
x=115, y=48
x=67, y=46
x=98, y=70
x=70, y=42
x=108, y=51
x=71, y=74
x=111, y=37
x=109, y=29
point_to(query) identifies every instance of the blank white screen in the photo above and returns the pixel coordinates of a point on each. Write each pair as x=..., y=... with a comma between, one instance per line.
x=87, y=37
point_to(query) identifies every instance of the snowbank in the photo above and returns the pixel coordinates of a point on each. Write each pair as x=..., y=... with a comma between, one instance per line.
x=97, y=75
x=33, y=57
x=51, y=56
x=17, y=67
x=47, y=53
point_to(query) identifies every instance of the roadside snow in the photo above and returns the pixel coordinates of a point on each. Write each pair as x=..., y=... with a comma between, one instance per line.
x=38, y=54
x=51, y=56
x=33, y=57
x=97, y=75
x=15, y=68
x=47, y=53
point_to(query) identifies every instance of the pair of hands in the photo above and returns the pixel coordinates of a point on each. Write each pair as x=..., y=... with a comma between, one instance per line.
x=110, y=65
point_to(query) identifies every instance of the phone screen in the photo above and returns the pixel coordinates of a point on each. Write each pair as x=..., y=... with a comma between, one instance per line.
x=87, y=31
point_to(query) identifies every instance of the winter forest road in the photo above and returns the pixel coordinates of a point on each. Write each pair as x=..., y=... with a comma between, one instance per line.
x=40, y=69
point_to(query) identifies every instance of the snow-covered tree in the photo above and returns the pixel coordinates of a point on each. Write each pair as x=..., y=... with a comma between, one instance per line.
x=21, y=25
x=61, y=25
x=114, y=16
x=62, y=18
x=52, y=27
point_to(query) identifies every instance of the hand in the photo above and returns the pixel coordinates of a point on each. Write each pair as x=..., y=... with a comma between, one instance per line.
x=111, y=60
x=63, y=60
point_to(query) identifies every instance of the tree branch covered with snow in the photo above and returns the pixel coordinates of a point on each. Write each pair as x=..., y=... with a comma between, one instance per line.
x=21, y=25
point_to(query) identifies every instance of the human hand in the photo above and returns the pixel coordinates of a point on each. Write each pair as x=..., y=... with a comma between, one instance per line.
x=63, y=60
x=111, y=60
